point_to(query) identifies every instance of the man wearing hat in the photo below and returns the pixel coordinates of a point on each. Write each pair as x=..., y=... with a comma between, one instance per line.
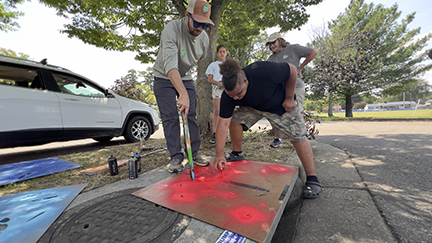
x=183, y=43
x=284, y=52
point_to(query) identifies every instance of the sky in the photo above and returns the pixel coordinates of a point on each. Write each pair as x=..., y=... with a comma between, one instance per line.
x=39, y=37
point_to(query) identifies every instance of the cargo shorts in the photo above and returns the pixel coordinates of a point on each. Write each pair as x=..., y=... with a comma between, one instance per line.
x=290, y=125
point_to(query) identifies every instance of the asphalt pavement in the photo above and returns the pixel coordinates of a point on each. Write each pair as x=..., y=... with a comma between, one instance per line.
x=346, y=211
x=393, y=159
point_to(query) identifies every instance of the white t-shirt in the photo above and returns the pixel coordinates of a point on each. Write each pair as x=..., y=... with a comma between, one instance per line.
x=214, y=69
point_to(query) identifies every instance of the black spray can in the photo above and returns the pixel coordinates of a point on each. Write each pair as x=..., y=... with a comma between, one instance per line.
x=138, y=161
x=112, y=164
x=133, y=172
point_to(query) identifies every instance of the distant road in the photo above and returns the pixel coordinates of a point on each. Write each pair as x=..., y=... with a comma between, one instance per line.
x=20, y=154
x=394, y=159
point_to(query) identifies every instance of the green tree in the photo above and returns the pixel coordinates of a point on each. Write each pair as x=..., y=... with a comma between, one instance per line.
x=11, y=53
x=255, y=51
x=136, y=26
x=418, y=89
x=129, y=87
x=367, y=49
x=8, y=16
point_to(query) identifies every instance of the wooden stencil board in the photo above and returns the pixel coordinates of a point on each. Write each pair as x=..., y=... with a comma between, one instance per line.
x=246, y=198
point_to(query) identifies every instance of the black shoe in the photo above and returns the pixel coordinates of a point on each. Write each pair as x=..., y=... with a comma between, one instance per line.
x=276, y=143
x=213, y=138
x=232, y=157
x=313, y=190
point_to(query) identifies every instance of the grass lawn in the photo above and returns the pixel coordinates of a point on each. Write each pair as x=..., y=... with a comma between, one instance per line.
x=405, y=114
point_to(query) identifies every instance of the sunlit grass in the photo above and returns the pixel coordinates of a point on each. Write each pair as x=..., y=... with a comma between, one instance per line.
x=405, y=114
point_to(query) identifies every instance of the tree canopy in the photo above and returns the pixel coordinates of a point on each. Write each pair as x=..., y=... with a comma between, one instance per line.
x=130, y=87
x=8, y=16
x=366, y=49
x=136, y=26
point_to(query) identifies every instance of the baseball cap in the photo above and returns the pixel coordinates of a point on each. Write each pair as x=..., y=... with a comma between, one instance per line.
x=200, y=10
x=273, y=37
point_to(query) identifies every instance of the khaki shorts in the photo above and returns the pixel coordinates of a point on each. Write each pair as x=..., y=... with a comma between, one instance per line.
x=288, y=126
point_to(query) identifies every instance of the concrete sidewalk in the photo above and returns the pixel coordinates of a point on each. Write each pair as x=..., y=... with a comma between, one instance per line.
x=345, y=212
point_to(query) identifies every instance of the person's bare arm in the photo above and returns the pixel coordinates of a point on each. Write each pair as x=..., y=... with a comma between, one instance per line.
x=312, y=54
x=212, y=81
x=219, y=162
x=290, y=85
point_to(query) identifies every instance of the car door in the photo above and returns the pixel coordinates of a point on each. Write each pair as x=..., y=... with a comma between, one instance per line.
x=29, y=112
x=85, y=109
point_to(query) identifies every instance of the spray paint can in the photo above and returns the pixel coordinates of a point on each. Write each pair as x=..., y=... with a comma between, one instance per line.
x=112, y=164
x=138, y=161
x=133, y=172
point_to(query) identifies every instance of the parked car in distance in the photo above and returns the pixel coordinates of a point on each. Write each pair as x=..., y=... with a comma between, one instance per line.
x=41, y=103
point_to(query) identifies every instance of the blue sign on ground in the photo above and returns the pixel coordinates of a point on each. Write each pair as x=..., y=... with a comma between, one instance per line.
x=230, y=237
x=31, y=169
x=24, y=217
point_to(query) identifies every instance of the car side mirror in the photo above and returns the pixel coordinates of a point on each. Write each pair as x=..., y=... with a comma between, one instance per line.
x=108, y=94
x=80, y=85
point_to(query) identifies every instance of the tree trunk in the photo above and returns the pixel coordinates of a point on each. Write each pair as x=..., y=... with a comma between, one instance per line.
x=204, y=102
x=348, y=106
x=330, y=105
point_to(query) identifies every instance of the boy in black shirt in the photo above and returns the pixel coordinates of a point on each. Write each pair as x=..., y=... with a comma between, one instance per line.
x=262, y=89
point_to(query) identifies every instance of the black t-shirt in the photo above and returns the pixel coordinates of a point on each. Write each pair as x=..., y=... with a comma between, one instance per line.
x=265, y=92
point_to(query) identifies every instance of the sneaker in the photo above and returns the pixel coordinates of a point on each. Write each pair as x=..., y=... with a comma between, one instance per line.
x=198, y=160
x=213, y=138
x=176, y=166
x=276, y=143
x=232, y=157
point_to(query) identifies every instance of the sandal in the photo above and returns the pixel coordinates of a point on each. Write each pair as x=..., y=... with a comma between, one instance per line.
x=313, y=190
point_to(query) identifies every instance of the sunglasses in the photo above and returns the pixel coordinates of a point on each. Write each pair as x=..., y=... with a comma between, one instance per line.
x=198, y=24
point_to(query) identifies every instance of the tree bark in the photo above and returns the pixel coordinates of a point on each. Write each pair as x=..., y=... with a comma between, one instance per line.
x=348, y=106
x=330, y=105
x=204, y=102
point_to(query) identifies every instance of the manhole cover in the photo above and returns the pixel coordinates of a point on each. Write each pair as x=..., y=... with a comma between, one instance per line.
x=124, y=218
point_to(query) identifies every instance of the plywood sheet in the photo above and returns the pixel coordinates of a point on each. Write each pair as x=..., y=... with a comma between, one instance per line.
x=245, y=198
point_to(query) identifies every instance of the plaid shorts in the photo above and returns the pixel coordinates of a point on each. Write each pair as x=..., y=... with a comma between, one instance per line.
x=216, y=92
x=290, y=125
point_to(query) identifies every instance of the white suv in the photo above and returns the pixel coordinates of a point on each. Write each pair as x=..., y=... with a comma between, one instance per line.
x=41, y=103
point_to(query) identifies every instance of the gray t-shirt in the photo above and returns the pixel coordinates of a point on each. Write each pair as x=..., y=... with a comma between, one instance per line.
x=292, y=54
x=179, y=49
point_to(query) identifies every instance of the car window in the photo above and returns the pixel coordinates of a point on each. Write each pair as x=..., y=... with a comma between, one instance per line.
x=76, y=86
x=20, y=77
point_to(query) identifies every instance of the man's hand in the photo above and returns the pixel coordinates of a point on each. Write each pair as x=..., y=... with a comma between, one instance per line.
x=183, y=103
x=218, y=163
x=289, y=104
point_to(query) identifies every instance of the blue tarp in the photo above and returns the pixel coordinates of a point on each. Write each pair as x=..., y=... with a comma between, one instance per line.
x=24, y=217
x=31, y=169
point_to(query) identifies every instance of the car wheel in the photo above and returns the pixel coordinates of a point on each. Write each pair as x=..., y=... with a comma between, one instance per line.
x=103, y=139
x=137, y=128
